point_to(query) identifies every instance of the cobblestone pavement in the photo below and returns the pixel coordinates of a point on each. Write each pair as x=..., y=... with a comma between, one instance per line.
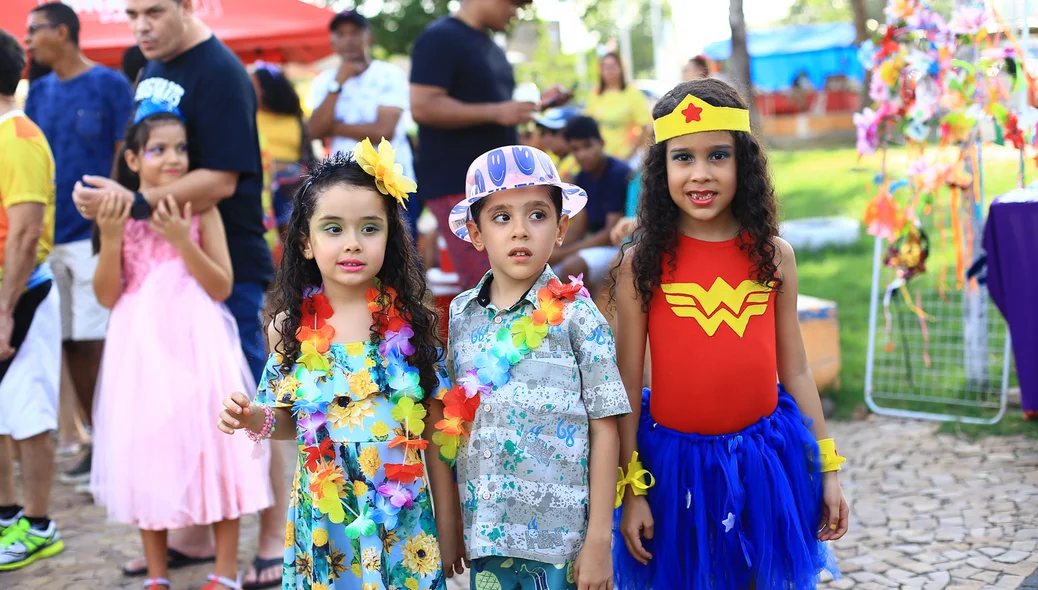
x=927, y=511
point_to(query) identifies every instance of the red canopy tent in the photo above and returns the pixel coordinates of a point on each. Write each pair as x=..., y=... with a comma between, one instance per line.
x=271, y=30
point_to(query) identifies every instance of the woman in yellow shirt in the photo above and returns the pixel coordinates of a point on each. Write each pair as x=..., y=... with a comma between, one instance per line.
x=621, y=110
x=279, y=120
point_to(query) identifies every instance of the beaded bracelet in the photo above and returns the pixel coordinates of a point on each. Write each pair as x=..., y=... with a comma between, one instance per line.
x=269, y=421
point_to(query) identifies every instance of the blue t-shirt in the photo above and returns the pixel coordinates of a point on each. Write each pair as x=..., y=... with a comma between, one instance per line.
x=605, y=194
x=83, y=118
x=472, y=69
x=215, y=96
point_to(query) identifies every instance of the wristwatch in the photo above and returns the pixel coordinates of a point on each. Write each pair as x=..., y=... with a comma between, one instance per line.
x=140, y=209
x=334, y=87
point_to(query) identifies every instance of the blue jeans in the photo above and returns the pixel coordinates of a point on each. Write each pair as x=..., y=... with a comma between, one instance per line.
x=246, y=305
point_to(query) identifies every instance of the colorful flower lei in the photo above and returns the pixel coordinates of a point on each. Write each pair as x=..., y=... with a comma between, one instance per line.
x=403, y=380
x=493, y=368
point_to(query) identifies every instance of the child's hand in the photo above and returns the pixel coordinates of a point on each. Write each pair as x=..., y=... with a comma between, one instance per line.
x=835, y=510
x=622, y=230
x=240, y=412
x=636, y=523
x=112, y=216
x=170, y=224
x=594, y=567
x=451, y=537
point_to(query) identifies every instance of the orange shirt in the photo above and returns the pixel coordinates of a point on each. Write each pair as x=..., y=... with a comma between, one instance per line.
x=26, y=176
x=712, y=336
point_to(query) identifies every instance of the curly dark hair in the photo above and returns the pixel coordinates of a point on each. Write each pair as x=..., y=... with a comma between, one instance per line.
x=754, y=205
x=400, y=270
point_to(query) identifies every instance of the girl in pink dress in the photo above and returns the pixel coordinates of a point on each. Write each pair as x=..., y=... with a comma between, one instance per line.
x=172, y=352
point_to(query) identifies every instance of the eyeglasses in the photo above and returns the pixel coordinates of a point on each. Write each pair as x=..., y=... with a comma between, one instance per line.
x=33, y=28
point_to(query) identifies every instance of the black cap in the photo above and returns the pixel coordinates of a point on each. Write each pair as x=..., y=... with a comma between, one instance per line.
x=349, y=16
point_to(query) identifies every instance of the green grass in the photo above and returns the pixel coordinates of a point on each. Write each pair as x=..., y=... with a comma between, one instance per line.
x=828, y=182
x=1012, y=424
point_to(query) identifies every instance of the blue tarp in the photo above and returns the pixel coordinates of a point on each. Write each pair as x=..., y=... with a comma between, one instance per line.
x=778, y=56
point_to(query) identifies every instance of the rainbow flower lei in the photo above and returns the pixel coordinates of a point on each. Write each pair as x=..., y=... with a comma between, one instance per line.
x=314, y=363
x=494, y=367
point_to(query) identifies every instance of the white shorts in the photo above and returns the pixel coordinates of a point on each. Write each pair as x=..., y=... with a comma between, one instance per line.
x=82, y=317
x=599, y=262
x=29, y=390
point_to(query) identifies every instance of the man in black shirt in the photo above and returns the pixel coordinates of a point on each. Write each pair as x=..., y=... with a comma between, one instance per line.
x=461, y=98
x=192, y=70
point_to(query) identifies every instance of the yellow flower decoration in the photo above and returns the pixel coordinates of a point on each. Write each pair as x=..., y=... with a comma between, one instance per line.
x=379, y=430
x=361, y=385
x=389, y=175
x=359, y=488
x=313, y=360
x=369, y=461
x=410, y=415
x=369, y=586
x=330, y=503
x=286, y=388
x=372, y=559
x=528, y=335
x=320, y=537
x=369, y=363
x=319, y=586
x=421, y=555
x=448, y=445
x=290, y=534
x=411, y=584
x=352, y=416
x=355, y=348
x=355, y=568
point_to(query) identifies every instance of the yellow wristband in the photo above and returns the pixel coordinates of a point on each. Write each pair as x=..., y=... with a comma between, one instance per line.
x=831, y=460
x=635, y=473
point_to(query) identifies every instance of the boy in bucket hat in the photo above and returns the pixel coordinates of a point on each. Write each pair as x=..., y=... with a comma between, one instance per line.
x=532, y=424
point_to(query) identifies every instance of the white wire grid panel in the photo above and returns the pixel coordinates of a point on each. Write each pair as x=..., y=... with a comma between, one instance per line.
x=959, y=373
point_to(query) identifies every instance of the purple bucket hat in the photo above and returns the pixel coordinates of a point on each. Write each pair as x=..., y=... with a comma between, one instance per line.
x=509, y=167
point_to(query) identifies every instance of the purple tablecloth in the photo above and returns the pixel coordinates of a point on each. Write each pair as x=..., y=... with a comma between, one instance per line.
x=1011, y=242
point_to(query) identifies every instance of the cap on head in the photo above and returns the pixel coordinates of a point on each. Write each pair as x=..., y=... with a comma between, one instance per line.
x=349, y=16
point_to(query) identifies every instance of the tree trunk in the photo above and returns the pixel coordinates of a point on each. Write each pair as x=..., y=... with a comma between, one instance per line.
x=739, y=62
x=862, y=33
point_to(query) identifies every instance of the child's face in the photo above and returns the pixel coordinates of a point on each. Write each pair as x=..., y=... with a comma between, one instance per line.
x=519, y=228
x=348, y=234
x=701, y=174
x=588, y=153
x=163, y=158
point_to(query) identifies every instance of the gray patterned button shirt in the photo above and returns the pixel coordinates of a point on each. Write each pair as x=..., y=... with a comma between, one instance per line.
x=523, y=475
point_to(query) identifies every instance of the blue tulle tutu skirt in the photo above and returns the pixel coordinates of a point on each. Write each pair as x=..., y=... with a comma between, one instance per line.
x=732, y=511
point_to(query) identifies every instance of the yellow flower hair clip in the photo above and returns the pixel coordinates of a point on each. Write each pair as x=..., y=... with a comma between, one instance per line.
x=389, y=177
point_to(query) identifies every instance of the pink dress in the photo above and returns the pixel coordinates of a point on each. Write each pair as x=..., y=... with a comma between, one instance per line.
x=171, y=355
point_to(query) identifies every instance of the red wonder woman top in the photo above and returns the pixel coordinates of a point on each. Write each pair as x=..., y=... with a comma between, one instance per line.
x=712, y=342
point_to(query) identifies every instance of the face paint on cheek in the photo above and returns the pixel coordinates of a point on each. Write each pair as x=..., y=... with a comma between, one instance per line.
x=151, y=155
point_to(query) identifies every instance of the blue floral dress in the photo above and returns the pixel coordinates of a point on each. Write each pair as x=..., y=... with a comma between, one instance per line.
x=350, y=527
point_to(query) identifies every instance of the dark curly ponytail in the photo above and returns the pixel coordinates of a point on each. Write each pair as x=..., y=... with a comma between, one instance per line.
x=754, y=205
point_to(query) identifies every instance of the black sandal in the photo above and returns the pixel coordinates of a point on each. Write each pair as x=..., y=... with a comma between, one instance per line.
x=176, y=561
x=259, y=564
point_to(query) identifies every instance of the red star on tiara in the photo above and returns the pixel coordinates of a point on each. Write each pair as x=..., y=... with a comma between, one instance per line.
x=691, y=113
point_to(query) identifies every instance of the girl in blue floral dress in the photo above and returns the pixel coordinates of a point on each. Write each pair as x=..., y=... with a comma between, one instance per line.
x=354, y=353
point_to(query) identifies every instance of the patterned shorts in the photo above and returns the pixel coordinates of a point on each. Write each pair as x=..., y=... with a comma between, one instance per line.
x=506, y=573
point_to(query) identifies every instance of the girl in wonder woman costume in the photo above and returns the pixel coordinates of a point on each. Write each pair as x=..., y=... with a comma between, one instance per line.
x=739, y=485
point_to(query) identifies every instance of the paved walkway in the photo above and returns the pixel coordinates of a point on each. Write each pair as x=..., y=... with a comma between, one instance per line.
x=928, y=511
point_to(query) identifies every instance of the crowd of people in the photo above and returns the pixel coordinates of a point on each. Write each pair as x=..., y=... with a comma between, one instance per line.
x=143, y=213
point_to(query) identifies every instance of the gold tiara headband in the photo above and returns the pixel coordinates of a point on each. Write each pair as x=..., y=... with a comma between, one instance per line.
x=695, y=116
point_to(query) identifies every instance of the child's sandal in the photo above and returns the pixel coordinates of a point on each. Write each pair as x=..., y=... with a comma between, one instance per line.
x=216, y=581
x=156, y=583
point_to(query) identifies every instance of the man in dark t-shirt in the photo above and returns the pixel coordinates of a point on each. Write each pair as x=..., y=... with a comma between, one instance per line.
x=192, y=70
x=590, y=251
x=461, y=98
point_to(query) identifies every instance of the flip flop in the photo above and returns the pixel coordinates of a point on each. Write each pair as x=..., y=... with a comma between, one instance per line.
x=260, y=564
x=176, y=561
